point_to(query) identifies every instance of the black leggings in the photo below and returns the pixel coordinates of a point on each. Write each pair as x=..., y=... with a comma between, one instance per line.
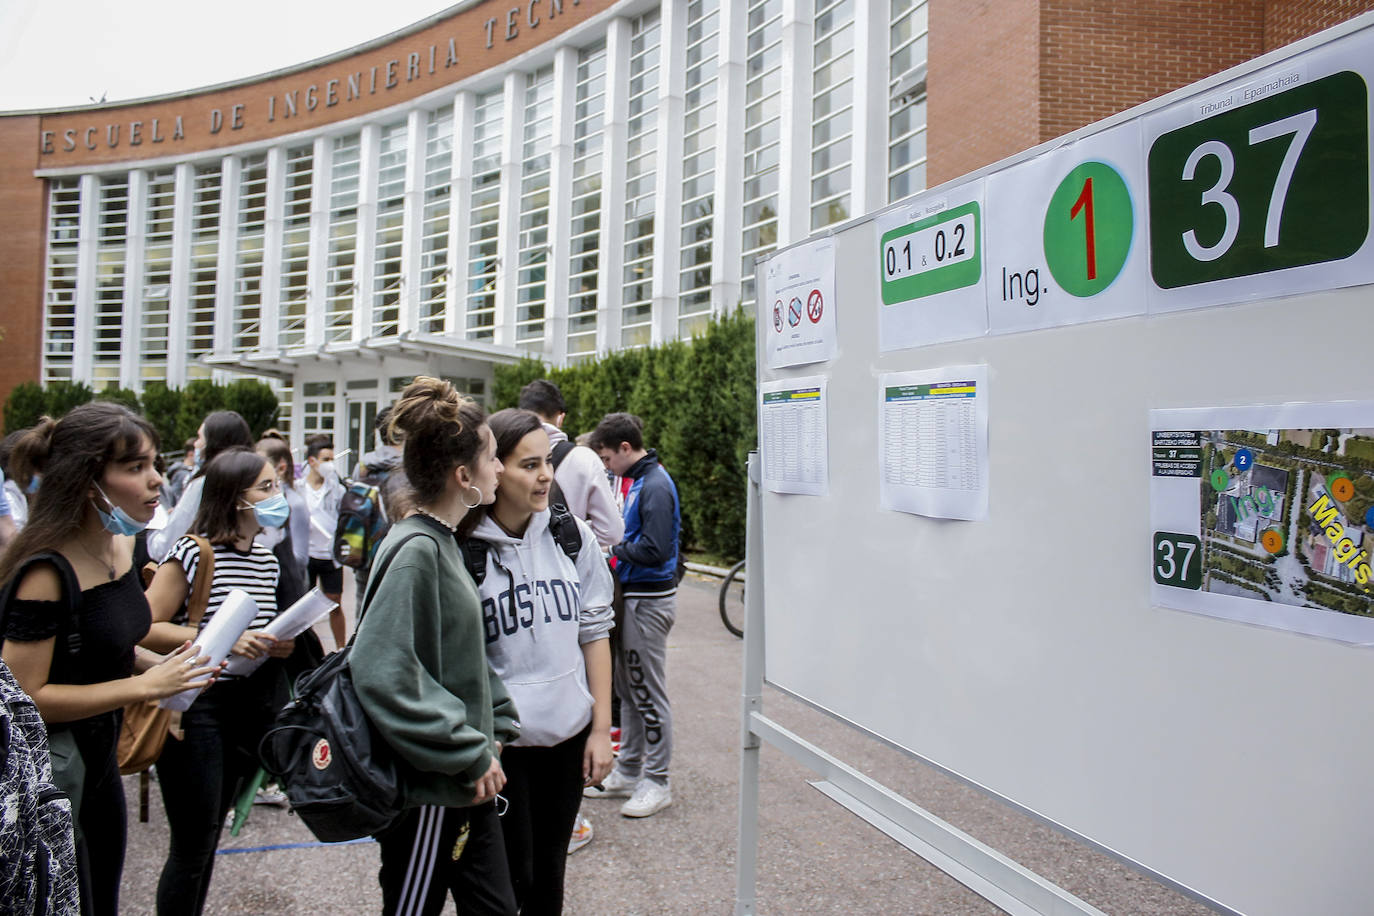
x=103, y=818
x=544, y=788
x=200, y=777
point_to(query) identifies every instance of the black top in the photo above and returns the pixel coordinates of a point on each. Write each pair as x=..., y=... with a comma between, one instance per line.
x=98, y=645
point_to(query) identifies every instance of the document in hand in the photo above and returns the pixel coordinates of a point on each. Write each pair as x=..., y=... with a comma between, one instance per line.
x=217, y=638
x=290, y=623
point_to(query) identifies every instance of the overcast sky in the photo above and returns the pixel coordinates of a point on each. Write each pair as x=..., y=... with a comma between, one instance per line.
x=55, y=53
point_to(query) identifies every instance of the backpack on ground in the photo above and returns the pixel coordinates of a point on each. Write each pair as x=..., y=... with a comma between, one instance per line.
x=37, y=848
x=561, y=524
x=362, y=525
x=341, y=777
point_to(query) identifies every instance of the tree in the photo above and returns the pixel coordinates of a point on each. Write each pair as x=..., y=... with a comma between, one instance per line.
x=254, y=401
x=119, y=395
x=63, y=396
x=160, y=405
x=26, y=404
x=200, y=398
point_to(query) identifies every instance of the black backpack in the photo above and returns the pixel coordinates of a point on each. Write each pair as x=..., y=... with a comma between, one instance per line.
x=561, y=524
x=560, y=451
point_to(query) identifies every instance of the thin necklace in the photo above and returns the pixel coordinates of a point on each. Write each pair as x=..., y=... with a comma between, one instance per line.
x=451, y=527
x=108, y=564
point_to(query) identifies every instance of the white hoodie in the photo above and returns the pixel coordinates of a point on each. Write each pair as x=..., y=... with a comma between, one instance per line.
x=538, y=610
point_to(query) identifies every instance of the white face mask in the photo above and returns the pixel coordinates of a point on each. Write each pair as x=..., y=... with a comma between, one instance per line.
x=326, y=468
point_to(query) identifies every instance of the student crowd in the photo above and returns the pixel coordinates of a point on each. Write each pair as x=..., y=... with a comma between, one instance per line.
x=521, y=584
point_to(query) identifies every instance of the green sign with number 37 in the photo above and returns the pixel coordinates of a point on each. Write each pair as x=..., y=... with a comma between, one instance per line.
x=1279, y=183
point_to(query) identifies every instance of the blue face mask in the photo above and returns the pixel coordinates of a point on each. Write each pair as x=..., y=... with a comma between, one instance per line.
x=117, y=521
x=273, y=511
x=33, y=483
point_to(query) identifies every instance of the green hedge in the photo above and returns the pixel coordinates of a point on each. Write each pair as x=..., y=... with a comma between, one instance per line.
x=176, y=413
x=698, y=404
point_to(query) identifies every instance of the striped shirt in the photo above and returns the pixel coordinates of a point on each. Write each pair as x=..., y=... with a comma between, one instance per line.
x=254, y=571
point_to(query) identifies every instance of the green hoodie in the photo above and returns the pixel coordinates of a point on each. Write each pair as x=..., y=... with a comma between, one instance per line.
x=420, y=667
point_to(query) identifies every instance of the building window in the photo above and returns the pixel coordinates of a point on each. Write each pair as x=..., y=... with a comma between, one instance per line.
x=391, y=199
x=536, y=160
x=434, y=229
x=636, y=314
x=200, y=322
x=317, y=408
x=251, y=234
x=483, y=249
x=832, y=111
x=589, y=119
x=698, y=166
x=157, y=277
x=906, y=131
x=295, y=254
x=340, y=285
x=112, y=233
x=762, y=133
x=59, y=302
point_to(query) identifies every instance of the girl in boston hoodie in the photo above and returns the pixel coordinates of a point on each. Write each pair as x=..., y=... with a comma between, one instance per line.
x=547, y=619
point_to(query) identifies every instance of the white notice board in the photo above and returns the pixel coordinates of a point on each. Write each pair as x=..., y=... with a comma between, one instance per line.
x=1023, y=652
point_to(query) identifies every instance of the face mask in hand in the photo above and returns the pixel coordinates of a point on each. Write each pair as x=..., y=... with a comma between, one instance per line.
x=273, y=511
x=116, y=521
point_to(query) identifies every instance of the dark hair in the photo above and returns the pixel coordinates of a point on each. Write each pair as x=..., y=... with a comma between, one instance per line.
x=543, y=397
x=442, y=430
x=226, y=477
x=316, y=444
x=276, y=451
x=385, y=431
x=224, y=429
x=189, y=446
x=71, y=454
x=6, y=450
x=398, y=497
x=616, y=428
x=511, y=425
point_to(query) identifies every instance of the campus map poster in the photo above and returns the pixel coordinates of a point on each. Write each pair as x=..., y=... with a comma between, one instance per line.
x=799, y=303
x=1265, y=514
x=793, y=434
x=933, y=442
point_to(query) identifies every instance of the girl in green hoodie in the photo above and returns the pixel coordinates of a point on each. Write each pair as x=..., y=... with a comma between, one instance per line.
x=420, y=669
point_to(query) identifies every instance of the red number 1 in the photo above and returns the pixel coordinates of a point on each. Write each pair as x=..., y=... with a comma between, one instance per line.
x=1085, y=203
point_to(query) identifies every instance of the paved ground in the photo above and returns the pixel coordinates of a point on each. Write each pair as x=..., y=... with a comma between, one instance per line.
x=814, y=857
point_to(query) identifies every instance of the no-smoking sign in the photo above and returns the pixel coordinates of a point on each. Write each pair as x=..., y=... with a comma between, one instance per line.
x=815, y=305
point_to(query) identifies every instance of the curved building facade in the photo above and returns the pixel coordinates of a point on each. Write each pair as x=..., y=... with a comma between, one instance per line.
x=559, y=178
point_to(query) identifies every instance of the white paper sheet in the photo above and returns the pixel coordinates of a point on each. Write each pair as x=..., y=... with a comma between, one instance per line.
x=933, y=442
x=290, y=623
x=1266, y=515
x=217, y=638
x=793, y=433
x=798, y=305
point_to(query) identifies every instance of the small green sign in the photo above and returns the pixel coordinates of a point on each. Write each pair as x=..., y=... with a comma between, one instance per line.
x=1088, y=228
x=1279, y=183
x=934, y=255
x=1178, y=560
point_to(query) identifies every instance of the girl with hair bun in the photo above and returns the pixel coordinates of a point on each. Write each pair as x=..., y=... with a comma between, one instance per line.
x=420, y=668
x=75, y=653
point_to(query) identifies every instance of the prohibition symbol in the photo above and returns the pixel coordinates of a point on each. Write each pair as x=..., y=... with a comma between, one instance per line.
x=814, y=306
x=1272, y=540
x=777, y=315
x=794, y=310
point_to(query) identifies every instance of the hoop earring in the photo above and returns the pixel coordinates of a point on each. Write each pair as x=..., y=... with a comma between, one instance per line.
x=476, y=504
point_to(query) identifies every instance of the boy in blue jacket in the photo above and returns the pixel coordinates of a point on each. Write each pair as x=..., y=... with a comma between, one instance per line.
x=646, y=563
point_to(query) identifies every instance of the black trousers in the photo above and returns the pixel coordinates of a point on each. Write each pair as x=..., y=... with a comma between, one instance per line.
x=422, y=864
x=544, y=789
x=102, y=819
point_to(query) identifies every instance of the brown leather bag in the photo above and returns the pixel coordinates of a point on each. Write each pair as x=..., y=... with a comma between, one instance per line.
x=146, y=724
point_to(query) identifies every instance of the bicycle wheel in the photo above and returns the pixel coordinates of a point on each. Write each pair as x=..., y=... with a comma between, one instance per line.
x=732, y=599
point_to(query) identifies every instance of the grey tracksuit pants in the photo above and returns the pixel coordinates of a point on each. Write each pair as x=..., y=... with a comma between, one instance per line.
x=640, y=673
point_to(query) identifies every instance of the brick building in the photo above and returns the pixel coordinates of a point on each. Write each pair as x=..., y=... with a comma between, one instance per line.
x=556, y=177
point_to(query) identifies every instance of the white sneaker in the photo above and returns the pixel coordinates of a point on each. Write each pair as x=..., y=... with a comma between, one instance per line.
x=650, y=798
x=616, y=785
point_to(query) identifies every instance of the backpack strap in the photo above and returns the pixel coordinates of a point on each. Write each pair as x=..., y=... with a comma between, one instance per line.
x=565, y=530
x=199, y=598
x=474, y=557
x=375, y=577
x=560, y=451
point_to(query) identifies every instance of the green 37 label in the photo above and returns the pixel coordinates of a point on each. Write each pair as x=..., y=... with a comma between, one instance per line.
x=1278, y=183
x=1178, y=560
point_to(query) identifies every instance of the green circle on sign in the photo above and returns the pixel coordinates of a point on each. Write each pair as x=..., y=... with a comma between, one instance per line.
x=1220, y=480
x=1088, y=229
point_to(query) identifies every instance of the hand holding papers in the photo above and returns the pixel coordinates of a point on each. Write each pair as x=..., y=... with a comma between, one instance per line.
x=217, y=638
x=290, y=623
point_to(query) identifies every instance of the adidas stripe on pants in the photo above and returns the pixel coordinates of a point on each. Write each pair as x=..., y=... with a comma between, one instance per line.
x=419, y=869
